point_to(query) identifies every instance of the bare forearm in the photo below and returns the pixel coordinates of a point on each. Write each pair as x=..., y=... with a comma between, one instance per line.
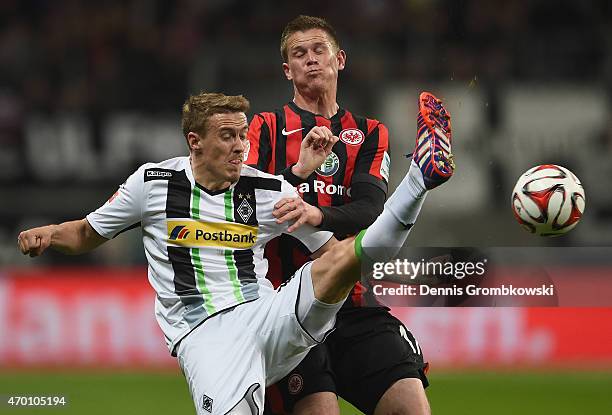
x=71, y=238
x=74, y=237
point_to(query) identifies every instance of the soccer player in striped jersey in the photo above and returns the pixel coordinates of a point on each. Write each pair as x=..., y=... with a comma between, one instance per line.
x=205, y=219
x=344, y=195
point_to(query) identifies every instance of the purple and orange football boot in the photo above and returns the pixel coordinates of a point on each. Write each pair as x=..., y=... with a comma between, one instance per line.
x=433, y=144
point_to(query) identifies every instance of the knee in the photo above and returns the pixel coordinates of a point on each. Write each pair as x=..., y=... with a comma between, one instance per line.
x=317, y=403
x=404, y=397
x=341, y=257
x=335, y=272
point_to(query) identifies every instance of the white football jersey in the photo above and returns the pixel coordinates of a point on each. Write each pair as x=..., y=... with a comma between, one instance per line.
x=204, y=249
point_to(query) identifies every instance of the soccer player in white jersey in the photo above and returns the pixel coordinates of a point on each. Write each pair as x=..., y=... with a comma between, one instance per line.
x=205, y=220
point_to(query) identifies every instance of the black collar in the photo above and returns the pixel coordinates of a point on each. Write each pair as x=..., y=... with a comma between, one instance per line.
x=213, y=192
x=301, y=112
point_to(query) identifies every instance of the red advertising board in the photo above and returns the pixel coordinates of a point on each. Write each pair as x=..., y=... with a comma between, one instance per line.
x=105, y=317
x=79, y=316
x=511, y=336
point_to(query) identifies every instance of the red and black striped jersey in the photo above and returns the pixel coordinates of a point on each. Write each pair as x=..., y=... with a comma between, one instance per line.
x=361, y=155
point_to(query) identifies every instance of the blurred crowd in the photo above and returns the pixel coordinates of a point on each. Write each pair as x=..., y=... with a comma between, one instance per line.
x=147, y=54
x=92, y=59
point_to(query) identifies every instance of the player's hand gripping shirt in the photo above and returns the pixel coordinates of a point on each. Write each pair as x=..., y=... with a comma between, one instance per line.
x=204, y=249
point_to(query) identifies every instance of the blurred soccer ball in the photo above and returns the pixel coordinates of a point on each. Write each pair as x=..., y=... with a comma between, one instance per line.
x=548, y=200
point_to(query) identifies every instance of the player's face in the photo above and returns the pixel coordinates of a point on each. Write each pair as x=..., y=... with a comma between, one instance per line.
x=313, y=62
x=224, y=145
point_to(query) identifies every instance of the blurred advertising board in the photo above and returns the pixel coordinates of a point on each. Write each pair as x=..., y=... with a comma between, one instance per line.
x=104, y=317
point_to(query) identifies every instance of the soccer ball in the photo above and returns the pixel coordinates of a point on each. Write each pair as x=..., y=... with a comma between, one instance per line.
x=548, y=200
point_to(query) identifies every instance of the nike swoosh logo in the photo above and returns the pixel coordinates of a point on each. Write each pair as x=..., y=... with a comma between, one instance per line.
x=283, y=132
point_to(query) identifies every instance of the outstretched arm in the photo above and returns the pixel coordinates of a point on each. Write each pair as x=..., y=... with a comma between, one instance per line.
x=72, y=238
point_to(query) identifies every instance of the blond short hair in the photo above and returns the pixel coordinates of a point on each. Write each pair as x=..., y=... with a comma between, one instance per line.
x=197, y=109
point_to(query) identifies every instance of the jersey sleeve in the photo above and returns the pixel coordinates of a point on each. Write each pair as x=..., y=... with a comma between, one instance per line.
x=123, y=210
x=313, y=238
x=367, y=202
x=373, y=160
x=260, y=147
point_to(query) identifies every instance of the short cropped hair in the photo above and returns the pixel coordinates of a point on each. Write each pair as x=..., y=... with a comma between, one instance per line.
x=303, y=23
x=197, y=109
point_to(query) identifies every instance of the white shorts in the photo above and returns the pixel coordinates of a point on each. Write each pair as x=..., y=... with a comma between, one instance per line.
x=235, y=354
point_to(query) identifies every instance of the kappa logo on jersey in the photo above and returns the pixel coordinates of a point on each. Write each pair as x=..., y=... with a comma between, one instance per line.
x=330, y=166
x=352, y=136
x=157, y=174
x=179, y=232
x=196, y=234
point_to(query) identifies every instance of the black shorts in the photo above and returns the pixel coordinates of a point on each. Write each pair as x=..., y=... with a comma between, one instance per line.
x=369, y=351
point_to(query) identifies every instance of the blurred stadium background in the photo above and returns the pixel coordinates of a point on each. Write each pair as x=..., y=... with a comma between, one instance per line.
x=90, y=90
